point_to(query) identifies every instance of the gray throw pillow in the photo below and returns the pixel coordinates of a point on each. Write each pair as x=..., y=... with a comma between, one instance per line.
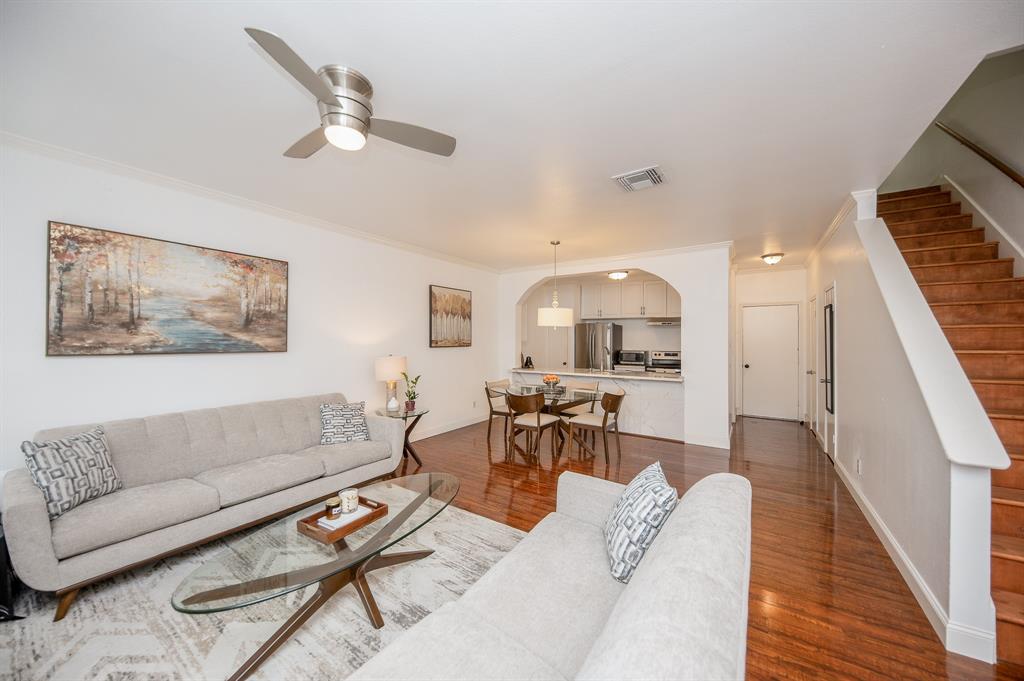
x=343, y=423
x=71, y=471
x=638, y=515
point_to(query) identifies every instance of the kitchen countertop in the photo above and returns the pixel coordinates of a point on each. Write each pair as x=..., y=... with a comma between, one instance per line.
x=618, y=375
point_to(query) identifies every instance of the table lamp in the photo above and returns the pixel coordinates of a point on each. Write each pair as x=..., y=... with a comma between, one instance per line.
x=389, y=369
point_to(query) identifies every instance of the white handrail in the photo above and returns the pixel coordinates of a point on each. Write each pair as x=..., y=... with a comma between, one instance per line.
x=963, y=426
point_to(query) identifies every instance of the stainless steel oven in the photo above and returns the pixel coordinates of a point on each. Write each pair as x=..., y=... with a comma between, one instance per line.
x=665, y=362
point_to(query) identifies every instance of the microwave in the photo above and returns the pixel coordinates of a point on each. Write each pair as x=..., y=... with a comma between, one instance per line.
x=632, y=357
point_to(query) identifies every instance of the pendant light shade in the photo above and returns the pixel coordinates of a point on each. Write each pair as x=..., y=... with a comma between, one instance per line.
x=555, y=316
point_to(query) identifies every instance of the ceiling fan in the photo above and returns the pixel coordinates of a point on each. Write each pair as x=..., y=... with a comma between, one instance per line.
x=346, y=115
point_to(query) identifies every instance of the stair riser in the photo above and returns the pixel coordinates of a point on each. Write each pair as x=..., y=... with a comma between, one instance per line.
x=921, y=213
x=961, y=254
x=991, y=290
x=929, y=226
x=992, y=366
x=1010, y=477
x=965, y=272
x=1008, y=520
x=953, y=238
x=1010, y=312
x=1007, y=575
x=1001, y=397
x=1010, y=642
x=919, y=201
x=1010, y=431
x=986, y=339
x=917, y=191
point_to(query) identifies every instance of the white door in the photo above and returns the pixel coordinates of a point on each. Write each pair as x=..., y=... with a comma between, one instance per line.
x=590, y=301
x=655, y=298
x=812, y=364
x=611, y=300
x=633, y=299
x=771, y=347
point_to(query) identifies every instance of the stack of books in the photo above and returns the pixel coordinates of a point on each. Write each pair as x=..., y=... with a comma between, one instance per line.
x=343, y=519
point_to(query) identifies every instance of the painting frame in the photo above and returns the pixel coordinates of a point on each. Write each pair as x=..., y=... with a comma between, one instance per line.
x=48, y=319
x=457, y=342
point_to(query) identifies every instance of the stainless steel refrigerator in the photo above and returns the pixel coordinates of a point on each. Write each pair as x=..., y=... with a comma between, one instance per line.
x=597, y=345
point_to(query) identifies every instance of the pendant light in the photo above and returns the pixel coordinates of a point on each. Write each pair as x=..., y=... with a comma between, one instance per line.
x=554, y=316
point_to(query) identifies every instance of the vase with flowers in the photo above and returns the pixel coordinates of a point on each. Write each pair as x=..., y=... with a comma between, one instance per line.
x=410, y=391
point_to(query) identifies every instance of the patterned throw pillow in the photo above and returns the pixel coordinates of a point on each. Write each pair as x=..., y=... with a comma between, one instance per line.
x=638, y=515
x=71, y=471
x=343, y=423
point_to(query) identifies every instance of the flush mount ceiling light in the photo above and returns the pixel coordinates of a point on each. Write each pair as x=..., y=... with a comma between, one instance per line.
x=772, y=258
x=618, y=275
x=554, y=316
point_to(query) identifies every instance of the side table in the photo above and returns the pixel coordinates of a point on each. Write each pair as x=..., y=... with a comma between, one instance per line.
x=7, y=583
x=415, y=415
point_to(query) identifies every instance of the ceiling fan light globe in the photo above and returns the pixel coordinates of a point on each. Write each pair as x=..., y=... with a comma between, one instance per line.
x=345, y=137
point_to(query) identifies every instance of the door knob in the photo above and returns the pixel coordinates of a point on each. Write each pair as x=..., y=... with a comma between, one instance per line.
x=822, y=380
x=746, y=366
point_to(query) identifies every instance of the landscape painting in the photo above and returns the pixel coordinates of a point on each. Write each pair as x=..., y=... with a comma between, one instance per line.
x=111, y=293
x=451, y=317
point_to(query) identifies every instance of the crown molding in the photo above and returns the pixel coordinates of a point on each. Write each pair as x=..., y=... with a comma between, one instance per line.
x=618, y=260
x=71, y=156
x=848, y=205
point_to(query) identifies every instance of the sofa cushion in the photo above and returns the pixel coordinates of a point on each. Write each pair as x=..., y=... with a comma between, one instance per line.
x=72, y=470
x=345, y=456
x=244, y=481
x=130, y=513
x=552, y=593
x=684, y=613
x=343, y=423
x=640, y=513
x=453, y=643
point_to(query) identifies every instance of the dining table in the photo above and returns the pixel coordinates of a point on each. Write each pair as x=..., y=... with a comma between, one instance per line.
x=556, y=400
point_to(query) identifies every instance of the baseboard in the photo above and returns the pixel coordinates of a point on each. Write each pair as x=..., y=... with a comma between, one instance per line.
x=933, y=610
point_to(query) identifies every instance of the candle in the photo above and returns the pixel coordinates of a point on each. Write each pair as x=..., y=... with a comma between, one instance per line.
x=349, y=500
x=333, y=506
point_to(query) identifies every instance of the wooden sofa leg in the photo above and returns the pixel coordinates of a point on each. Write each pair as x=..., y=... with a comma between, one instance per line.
x=66, y=599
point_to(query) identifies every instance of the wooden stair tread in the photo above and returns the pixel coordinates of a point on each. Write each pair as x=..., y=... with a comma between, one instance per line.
x=948, y=247
x=955, y=264
x=1002, y=280
x=1000, y=325
x=1007, y=496
x=1009, y=606
x=977, y=302
x=926, y=235
x=1010, y=548
x=1006, y=414
x=999, y=381
x=948, y=204
x=904, y=193
x=990, y=352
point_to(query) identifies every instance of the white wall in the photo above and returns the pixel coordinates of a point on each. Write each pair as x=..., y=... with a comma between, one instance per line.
x=987, y=109
x=903, y=484
x=351, y=300
x=757, y=287
x=701, y=276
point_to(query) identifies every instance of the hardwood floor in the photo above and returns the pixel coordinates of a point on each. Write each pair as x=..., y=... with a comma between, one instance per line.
x=825, y=599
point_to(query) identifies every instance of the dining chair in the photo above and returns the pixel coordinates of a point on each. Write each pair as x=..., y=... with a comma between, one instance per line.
x=587, y=408
x=527, y=415
x=611, y=403
x=496, y=404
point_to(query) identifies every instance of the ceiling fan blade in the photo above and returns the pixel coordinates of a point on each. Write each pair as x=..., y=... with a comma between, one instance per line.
x=308, y=145
x=413, y=136
x=293, y=64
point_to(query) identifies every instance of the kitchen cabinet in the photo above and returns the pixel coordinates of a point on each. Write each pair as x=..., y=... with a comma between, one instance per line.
x=633, y=298
x=655, y=304
x=611, y=300
x=674, y=305
x=590, y=301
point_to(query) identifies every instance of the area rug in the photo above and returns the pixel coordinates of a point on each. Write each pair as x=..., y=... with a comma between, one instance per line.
x=125, y=628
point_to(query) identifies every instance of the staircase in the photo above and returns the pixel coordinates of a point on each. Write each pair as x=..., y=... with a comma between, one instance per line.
x=980, y=306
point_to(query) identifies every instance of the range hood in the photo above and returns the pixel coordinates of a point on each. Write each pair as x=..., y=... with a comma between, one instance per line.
x=663, y=322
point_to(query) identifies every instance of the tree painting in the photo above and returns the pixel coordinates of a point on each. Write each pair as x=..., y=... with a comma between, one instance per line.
x=451, y=317
x=119, y=294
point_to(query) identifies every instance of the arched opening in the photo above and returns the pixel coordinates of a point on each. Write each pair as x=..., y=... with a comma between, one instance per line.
x=644, y=309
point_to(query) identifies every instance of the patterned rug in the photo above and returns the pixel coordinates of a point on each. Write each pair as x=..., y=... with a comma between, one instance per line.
x=125, y=628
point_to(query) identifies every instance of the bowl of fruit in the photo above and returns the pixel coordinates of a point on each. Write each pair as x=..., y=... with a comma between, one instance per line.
x=550, y=380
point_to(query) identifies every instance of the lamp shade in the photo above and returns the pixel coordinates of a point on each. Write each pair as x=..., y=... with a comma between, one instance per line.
x=554, y=316
x=389, y=368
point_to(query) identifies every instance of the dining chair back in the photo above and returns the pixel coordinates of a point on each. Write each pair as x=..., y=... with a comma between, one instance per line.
x=526, y=413
x=496, y=404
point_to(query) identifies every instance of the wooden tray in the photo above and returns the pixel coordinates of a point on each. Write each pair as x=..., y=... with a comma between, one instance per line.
x=309, y=527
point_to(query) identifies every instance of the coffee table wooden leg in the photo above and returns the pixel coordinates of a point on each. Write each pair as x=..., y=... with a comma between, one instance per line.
x=328, y=587
x=369, y=603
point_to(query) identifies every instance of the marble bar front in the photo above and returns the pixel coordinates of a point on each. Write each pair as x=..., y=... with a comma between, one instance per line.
x=653, y=406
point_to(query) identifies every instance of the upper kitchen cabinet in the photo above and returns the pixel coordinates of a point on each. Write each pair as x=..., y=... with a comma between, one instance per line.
x=632, y=298
x=655, y=303
x=674, y=304
x=590, y=301
x=637, y=299
x=611, y=300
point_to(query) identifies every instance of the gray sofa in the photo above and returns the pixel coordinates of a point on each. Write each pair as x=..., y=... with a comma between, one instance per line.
x=550, y=609
x=188, y=478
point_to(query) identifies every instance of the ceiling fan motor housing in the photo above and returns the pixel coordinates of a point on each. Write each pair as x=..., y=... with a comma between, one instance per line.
x=353, y=90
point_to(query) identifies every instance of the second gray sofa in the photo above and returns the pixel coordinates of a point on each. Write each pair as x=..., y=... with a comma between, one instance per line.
x=188, y=477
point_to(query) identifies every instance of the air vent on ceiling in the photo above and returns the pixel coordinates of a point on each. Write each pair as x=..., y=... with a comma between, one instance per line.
x=639, y=179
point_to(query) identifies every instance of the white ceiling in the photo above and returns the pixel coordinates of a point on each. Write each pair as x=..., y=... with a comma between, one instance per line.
x=762, y=116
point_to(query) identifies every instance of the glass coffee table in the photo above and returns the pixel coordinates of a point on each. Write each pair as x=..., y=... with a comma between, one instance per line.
x=276, y=559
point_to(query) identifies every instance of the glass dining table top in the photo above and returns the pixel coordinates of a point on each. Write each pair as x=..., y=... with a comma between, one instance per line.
x=555, y=395
x=276, y=559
